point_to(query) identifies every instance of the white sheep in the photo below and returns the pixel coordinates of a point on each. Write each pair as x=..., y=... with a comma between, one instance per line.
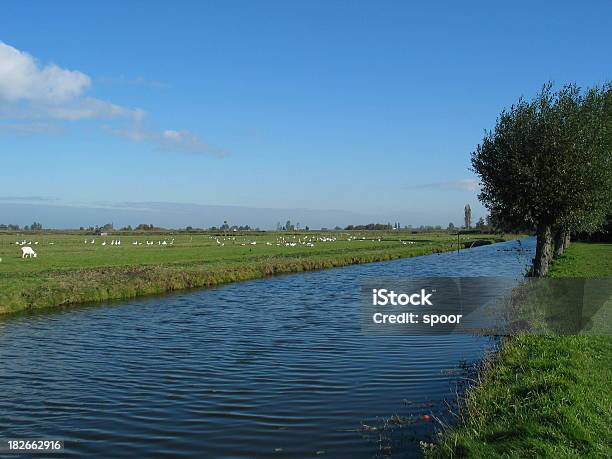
x=28, y=252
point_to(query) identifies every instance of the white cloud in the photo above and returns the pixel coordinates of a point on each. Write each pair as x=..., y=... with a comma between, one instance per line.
x=461, y=185
x=138, y=81
x=21, y=78
x=169, y=140
x=136, y=133
x=182, y=140
x=88, y=107
x=27, y=198
x=30, y=90
x=32, y=128
x=464, y=184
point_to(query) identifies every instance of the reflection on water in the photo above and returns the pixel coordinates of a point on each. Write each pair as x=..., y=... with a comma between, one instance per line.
x=275, y=367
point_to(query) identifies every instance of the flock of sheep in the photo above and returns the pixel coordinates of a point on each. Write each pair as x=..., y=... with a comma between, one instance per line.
x=293, y=241
x=281, y=241
x=118, y=242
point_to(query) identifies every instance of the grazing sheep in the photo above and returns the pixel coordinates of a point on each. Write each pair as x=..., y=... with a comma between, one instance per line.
x=28, y=252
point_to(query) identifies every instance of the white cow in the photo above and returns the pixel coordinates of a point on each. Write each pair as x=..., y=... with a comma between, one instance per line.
x=27, y=252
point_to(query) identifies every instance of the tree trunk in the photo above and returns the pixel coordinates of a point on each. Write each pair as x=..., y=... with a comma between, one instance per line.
x=559, y=242
x=544, y=248
x=566, y=239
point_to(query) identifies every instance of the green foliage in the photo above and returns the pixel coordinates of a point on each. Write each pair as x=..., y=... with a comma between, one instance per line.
x=549, y=161
x=548, y=165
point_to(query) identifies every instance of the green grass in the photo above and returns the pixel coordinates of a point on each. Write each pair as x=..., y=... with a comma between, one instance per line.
x=542, y=396
x=584, y=260
x=67, y=270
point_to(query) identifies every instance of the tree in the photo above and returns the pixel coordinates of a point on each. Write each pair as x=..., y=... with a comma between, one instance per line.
x=369, y=226
x=480, y=223
x=451, y=226
x=467, y=216
x=547, y=165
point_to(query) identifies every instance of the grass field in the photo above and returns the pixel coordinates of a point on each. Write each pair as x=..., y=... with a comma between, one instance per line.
x=543, y=396
x=70, y=269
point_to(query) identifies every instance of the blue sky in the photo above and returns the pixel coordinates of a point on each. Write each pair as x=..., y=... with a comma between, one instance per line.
x=369, y=108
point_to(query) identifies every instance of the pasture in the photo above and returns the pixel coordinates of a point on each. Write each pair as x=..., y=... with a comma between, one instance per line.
x=76, y=267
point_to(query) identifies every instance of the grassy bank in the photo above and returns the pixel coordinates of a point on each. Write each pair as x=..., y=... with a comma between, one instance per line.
x=543, y=396
x=71, y=269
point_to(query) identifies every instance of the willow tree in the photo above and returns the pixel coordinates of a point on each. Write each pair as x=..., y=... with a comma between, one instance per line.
x=547, y=164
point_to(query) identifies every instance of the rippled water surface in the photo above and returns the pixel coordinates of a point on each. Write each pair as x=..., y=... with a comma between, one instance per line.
x=267, y=368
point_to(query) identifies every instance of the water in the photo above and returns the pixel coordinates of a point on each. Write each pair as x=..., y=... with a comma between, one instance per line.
x=267, y=368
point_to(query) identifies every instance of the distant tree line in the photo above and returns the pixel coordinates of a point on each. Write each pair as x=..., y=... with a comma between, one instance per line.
x=481, y=225
x=10, y=227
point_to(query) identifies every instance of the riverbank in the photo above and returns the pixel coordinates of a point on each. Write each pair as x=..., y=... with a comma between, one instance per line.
x=70, y=270
x=542, y=396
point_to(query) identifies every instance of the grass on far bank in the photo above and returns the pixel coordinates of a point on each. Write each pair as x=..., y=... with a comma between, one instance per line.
x=70, y=270
x=542, y=396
